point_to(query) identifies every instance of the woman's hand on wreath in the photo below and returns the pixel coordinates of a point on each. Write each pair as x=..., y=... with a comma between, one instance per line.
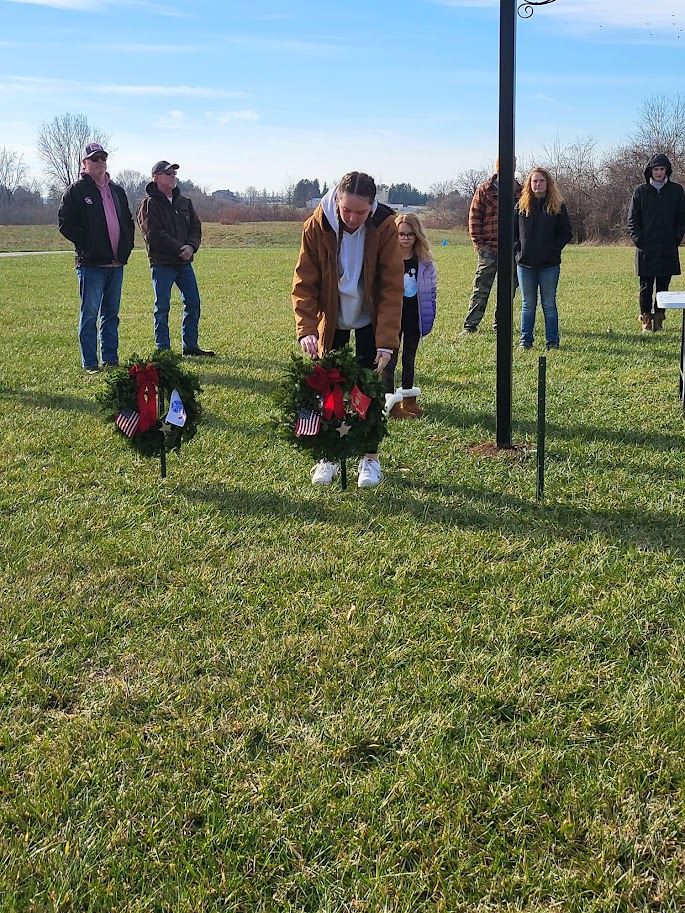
x=381, y=360
x=310, y=345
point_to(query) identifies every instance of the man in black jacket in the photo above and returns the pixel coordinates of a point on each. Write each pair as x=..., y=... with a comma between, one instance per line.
x=94, y=215
x=656, y=223
x=173, y=234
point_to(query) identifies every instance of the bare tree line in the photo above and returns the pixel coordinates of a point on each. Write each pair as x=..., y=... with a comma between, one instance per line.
x=597, y=187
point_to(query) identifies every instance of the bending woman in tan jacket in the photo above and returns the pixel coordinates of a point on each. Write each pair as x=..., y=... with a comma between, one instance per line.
x=350, y=276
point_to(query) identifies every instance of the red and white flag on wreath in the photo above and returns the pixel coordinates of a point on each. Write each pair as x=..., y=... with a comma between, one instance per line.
x=359, y=401
x=308, y=423
x=128, y=421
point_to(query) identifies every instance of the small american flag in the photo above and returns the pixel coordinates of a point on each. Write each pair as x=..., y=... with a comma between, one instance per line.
x=128, y=421
x=308, y=423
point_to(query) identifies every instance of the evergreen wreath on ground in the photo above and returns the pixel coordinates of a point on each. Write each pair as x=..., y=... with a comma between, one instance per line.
x=130, y=399
x=332, y=408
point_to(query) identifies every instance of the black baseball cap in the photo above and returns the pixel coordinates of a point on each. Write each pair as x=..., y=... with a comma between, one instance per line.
x=159, y=167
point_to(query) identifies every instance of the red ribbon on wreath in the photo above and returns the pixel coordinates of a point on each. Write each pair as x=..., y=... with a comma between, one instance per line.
x=147, y=381
x=327, y=381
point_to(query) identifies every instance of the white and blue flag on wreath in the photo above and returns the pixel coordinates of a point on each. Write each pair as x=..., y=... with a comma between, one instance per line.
x=177, y=411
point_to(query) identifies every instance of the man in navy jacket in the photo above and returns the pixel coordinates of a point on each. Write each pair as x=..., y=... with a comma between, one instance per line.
x=94, y=215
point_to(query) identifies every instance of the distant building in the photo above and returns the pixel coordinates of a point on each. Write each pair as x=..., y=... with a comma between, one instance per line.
x=381, y=196
x=406, y=207
x=226, y=196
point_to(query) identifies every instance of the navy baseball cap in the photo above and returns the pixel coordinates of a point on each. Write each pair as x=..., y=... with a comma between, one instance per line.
x=92, y=149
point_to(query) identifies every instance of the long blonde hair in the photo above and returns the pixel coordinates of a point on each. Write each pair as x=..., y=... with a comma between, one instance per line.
x=421, y=243
x=554, y=198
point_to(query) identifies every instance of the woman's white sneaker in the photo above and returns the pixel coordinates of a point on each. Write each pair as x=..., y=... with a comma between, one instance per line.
x=324, y=472
x=370, y=473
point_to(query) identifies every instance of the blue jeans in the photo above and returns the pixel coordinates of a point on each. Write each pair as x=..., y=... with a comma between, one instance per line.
x=100, y=291
x=163, y=279
x=547, y=280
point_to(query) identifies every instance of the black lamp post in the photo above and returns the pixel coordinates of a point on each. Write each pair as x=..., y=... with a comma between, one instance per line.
x=505, y=229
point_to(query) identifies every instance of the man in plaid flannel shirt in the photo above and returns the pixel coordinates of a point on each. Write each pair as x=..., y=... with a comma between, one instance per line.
x=483, y=216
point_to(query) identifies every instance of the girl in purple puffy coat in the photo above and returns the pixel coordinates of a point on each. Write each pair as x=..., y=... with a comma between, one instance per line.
x=418, y=313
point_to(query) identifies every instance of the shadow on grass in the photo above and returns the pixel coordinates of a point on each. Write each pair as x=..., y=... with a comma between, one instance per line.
x=50, y=400
x=587, y=433
x=269, y=504
x=238, y=382
x=465, y=507
x=459, y=418
x=616, y=344
x=659, y=442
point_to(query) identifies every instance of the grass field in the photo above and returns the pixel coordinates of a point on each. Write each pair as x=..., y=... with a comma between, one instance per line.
x=231, y=691
x=250, y=234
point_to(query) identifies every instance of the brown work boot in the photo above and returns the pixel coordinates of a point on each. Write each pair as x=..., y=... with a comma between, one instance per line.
x=411, y=407
x=646, y=321
x=658, y=321
x=409, y=404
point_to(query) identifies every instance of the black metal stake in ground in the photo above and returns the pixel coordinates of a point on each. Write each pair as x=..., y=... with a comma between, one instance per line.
x=505, y=229
x=162, y=453
x=542, y=406
x=343, y=474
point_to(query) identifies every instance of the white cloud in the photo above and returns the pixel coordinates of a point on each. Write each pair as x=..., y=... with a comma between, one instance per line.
x=314, y=45
x=472, y=3
x=173, y=120
x=53, y=86
x=124, y=48
x=99, y=6
x=626, y=14
x=140, y=48
x=224, y=117
x=82, y=5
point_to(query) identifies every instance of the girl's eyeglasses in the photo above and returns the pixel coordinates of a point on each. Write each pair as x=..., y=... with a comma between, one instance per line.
x=408, y=236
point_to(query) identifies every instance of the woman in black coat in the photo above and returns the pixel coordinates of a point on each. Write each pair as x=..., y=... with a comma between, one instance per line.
x=542, y=228
x=656, y=223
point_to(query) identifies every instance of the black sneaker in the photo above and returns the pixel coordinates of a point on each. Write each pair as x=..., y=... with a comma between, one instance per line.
x=197, y=352
x=552, y=345
x=108, y=365
x=92, y=370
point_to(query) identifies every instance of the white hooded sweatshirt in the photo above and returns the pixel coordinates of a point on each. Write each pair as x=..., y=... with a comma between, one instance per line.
x=353, y=313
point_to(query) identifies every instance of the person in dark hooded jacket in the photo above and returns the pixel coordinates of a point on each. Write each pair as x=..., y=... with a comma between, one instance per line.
x=656, y=223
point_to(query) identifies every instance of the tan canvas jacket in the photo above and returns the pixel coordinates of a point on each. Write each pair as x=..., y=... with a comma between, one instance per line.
x=315, y=283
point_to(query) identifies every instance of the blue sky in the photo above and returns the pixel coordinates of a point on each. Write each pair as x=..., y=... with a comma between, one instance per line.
x=265, y=92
